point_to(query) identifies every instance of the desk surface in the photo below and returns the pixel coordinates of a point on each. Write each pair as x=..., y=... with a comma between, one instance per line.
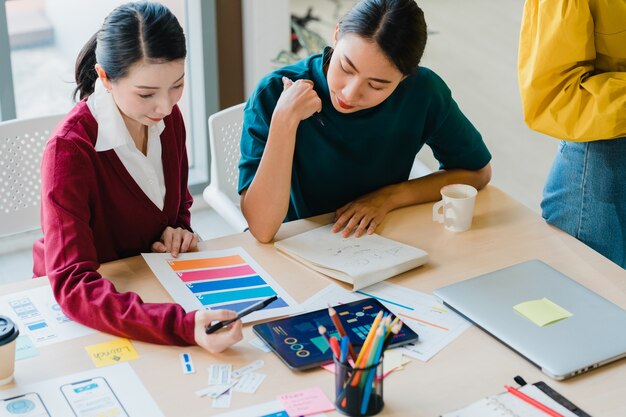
x=475, y=365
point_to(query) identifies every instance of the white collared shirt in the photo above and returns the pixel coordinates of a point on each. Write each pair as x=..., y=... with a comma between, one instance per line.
x=146, y=170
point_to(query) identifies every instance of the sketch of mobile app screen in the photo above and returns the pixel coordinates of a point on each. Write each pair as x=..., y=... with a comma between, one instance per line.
x=32, y=319
x=58, y=314
x=93, y=398
x=27, y=405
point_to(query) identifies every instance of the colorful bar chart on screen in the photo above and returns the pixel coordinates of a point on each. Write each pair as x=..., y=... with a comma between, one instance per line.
x=227, y=279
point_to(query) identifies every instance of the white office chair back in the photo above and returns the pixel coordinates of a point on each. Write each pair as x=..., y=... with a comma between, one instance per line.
x=21, y=147
x=224, y=137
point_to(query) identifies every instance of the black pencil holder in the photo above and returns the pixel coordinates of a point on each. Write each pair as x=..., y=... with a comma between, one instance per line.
x=359, y=391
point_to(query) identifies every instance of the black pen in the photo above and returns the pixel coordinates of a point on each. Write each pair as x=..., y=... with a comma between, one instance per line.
x=254, y=307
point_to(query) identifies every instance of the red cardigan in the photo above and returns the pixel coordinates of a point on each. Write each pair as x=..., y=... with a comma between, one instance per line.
x=92, y=211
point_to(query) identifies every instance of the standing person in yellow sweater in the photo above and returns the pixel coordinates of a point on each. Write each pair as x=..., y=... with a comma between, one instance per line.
x=572, y=76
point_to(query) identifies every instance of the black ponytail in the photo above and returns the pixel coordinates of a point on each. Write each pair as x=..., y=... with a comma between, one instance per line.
x=131, y=33
x=84, y=72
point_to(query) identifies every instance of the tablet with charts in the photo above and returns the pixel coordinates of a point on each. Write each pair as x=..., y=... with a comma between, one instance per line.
x=297, y=342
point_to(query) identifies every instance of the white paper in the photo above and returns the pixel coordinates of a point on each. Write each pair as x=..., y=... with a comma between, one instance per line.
x=38, y=315
x=353, y=256
x=330, y=295
x=186, y=363
x=248, y=368
x=249, y=383
x=183, y=294
x=272, y=408
x=119, y=381
x=260, y=344
x=219, y=374
x=436, y=325
x=214, y=391
x=508, y=405
x=223, y=401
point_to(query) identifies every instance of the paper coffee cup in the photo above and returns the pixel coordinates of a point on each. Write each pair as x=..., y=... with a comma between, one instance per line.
x=8, y=334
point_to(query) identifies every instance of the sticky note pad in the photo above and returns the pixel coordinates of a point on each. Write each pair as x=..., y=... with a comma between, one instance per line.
x=24, y=348
x=542, y=312
x=110, y=353
x=306, y=402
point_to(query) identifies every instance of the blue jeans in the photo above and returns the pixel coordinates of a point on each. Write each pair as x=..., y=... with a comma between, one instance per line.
x=585, y=195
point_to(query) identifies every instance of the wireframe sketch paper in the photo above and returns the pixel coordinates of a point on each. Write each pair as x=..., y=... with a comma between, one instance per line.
x=359, y=261
x=40, y=318
x=226, y=279
x=508, y=405
x=112, y=391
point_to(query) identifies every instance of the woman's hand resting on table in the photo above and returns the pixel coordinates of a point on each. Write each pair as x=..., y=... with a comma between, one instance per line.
x=362, y=215
x=176, y=241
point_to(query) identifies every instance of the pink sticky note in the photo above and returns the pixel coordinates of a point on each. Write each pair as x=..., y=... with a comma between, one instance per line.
x=306, y=402
x=330, y=367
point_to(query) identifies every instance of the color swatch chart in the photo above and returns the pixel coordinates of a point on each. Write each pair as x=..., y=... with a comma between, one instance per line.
x=228, y=279
x=226, y=282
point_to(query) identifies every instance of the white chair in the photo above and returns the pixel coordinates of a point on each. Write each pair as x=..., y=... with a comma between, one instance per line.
x=21, y=147
x=224, y=137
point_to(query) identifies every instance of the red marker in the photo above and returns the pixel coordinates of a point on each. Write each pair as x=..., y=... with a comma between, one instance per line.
x=532, y=401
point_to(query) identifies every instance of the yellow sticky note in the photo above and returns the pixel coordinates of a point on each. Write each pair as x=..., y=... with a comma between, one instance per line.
x=110, y=353
x=542, y=312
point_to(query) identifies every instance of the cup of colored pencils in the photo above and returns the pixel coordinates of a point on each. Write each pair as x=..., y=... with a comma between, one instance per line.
x=359, y=378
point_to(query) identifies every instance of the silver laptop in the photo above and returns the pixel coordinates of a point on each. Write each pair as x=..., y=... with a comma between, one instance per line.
x=593, y=336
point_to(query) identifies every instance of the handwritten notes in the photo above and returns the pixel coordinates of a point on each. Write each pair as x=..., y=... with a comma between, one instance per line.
x=542, y=312
x=112, y=352
x=305, y=402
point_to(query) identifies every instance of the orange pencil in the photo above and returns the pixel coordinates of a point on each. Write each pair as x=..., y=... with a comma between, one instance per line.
x=369, y=338
x=367, y=347
x=342, y=332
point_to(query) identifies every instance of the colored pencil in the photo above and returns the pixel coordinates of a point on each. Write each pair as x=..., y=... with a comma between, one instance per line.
x=368, y=339
x=342, y=331
x=334, y=346
x=369, y=379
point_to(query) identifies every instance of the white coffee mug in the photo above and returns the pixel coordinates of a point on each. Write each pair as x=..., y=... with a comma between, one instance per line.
x=456, y=207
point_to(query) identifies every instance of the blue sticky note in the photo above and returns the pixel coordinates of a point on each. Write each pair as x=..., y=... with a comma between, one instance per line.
x=25, y=348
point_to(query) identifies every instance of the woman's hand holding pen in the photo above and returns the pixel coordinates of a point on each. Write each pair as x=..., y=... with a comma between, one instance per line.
x=363, y=215
x=298, y=99
x=218, y=341
x=176, y=241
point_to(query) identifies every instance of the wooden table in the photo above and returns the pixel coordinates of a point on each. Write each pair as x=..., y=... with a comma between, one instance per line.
x=475, y=365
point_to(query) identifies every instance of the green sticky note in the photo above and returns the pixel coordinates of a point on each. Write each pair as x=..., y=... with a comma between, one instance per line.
x=542, y=312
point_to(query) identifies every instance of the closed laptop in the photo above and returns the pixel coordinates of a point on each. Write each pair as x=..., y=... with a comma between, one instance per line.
x=592, y=336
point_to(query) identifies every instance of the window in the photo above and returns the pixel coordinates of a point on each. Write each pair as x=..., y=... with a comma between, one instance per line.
x=39, y=43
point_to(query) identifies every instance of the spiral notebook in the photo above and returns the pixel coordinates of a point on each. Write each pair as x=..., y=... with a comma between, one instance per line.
x=508, y=405
x=359, y=261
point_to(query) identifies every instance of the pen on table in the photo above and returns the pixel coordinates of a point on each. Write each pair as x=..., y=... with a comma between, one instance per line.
x=532, y=401
x=254, y=307
x=342, y=332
